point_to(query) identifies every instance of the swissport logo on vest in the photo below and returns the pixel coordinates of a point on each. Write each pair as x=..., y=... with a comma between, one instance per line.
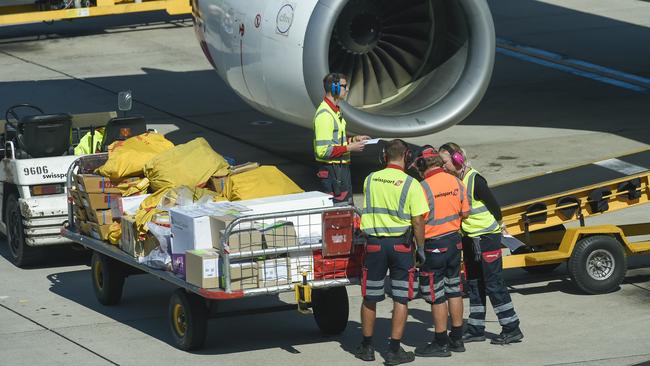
x=396, y=183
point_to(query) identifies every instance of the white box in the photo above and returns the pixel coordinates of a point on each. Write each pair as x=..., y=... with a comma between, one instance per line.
x=190, y=228
x=308, y=227
x=299, y=262
x=288, y=202
x=127, y=205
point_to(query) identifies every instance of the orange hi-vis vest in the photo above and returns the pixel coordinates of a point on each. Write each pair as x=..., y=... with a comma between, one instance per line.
x=447, y=199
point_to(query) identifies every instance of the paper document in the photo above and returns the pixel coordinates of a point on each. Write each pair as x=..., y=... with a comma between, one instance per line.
x=371, y=141
x=511, y=242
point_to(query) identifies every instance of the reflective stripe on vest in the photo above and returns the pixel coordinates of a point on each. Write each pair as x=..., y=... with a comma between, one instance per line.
x=325, y=148
x=399, y=213
x=480, y=220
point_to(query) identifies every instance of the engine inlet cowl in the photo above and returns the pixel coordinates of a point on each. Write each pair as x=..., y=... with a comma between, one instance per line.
x=414, y=66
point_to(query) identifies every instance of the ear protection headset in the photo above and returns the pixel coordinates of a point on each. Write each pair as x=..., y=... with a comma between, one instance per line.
x=336, y=86
x=456, y=157
x=408, y=157
x=427, y=151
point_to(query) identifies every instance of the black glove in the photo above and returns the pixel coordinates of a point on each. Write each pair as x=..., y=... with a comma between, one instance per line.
x=421, y=256
x=476, y=244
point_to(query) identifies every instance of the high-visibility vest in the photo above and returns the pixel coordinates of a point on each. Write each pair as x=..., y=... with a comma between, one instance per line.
x=447, y=199
x=391, y=199
x=85, y=147
x=329, y=131
x=480, y=220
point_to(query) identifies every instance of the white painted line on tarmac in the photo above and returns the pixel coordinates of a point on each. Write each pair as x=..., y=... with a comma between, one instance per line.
x=574, y=66
x=621, y=166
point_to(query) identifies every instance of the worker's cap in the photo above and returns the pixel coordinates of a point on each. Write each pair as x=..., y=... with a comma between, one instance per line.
x=426, y=151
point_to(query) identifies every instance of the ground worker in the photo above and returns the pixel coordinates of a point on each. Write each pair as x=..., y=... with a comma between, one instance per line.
x=331, y=145
x=440, y=273
x=394, y=205
x=91, y=142
x=482, y=253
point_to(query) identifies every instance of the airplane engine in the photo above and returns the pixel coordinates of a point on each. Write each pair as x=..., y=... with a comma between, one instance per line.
x=414, y=66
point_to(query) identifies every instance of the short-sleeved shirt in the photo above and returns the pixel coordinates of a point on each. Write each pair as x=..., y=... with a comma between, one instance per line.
x=391, y=199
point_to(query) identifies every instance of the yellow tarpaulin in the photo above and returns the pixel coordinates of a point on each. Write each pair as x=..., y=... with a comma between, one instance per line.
x=190, y=164
x=261, y=182
x=127, y=158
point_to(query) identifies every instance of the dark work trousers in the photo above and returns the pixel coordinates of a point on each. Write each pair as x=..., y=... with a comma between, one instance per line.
x=484, y=277
x=336, y=180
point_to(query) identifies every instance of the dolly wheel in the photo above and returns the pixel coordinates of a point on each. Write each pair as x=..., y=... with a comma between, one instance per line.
x=188, y=318
x=108, y=279
x=331, y=309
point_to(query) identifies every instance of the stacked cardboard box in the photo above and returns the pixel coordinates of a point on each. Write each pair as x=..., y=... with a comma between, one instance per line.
x=243, y=276
x=93, y=195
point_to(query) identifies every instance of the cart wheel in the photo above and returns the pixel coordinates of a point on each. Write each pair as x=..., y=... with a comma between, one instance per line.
x=108, y=279
x=331, y=309
x=21, y=254
x=543, y=269
x=597, y=264
x=188, y=318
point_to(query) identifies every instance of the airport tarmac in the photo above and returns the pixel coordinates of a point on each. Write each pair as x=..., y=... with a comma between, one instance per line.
x=533, y=119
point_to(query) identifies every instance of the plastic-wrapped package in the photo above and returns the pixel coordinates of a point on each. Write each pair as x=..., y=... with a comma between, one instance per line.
x=162, y=233
x=178, y=196
x=157, y=258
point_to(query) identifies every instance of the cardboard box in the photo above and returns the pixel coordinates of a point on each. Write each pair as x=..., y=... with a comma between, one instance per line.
x=243, y=276
x=178, y=264
x=98, y=201
x=280, y=236
x=99, y=232
x=273, y=272
x=308, y=227
x=190, y=229
x=240, y=240
x=92, y=183
x=127, y=205
x=129, y=235
x=131, y=243
x=101, y=217
x=202, y=268
x=299, y=262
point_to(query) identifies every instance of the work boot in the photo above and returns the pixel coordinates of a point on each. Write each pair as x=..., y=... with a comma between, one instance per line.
x=365, y=352
x=456, y=345
x=399, y=357
x=508, y=337
x=433, y=349
x=469, y=337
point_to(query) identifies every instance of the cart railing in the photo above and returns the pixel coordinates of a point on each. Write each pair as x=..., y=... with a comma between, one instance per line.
x=266, y=253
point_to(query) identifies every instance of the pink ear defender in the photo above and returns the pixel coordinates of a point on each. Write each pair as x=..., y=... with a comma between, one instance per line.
x=458, y=159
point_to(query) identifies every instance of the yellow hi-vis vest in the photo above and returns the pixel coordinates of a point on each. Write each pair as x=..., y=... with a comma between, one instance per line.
x=480, y=220
x=85, y=147
x=329, y=131
x=391, y=198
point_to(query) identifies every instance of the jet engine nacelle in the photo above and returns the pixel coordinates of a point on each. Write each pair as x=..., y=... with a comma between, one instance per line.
x=414, y=66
